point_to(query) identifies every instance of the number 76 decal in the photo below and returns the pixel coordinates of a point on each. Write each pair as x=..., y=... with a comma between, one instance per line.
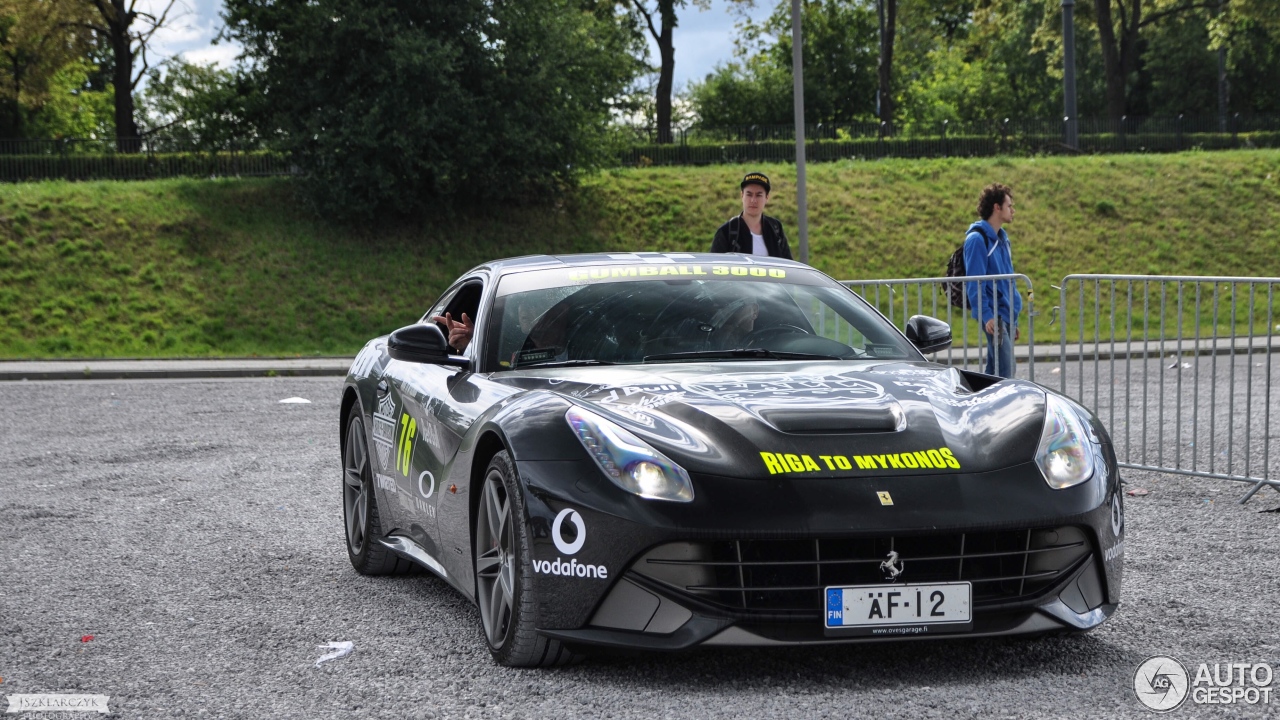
x=404, y=446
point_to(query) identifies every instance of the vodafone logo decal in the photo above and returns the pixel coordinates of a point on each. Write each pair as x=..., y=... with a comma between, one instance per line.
x=557, y=528
x=1117, y=515
x=569, y=568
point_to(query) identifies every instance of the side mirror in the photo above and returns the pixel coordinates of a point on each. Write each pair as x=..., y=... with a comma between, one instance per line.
x=423, y=343
x=929, y=335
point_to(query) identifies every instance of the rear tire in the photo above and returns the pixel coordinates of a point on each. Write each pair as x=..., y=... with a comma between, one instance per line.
x=360, y=518
x=504, y=575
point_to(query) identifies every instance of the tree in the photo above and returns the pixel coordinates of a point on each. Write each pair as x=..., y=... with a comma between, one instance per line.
x=73, y=109
x=839, y=56
x=1179, y=71
x=37, y=39
x=198, y=106
x=1120, y=24
x=1249, y=31
x=639, y=108
x=888, y=13
x=398, y=107
x=839, y=52
x=662, y=32
x=1264, y=14
x=129, y=31
x=992, y=60
x=753, y=92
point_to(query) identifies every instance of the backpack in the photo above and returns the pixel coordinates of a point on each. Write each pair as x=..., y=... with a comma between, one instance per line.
x=955, y=268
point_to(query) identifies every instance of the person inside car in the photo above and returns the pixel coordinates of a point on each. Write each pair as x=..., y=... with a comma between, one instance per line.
x=458, y=332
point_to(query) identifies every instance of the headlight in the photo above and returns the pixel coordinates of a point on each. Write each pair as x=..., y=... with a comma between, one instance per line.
x=1065, y=457
x=629, y=461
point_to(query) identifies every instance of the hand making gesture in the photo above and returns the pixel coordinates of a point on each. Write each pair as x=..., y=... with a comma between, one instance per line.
x=459, y=332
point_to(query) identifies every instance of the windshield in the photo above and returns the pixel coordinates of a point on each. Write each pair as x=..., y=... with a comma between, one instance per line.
x=689, y=313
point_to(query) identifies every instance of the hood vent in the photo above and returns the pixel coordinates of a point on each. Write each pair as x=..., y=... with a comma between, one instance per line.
x=837, y=420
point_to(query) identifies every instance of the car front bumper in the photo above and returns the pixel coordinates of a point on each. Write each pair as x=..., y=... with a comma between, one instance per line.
x=619, y=601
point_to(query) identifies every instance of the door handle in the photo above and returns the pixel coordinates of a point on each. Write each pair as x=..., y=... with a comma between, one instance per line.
x=383, y=389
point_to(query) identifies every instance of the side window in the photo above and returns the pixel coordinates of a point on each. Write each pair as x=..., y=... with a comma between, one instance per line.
x=466, y=300
x=456, y=301
x=441, y=304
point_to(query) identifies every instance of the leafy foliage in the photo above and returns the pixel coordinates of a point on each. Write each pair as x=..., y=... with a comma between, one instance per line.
x=427, y=103
x=754, y=92
x=72, y=109
x=996, y=66
x=198, y=106
x=38, y=39
x=839, y=55
x=985, y=60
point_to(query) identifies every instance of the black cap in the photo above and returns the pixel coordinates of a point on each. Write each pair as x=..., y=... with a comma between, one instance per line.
x=755, y=178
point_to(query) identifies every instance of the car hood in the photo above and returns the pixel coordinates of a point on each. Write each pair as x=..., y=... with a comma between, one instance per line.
x=815, y=418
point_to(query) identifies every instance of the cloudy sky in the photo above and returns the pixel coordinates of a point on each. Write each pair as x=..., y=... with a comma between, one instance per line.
x=703, y=39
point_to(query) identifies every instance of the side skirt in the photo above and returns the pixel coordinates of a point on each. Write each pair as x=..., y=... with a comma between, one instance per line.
x=412, y=551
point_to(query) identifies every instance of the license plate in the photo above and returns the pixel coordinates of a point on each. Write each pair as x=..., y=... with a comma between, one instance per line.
x=899, y=609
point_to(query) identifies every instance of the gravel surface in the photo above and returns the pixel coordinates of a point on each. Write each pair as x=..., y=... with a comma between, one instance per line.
x=193, y=528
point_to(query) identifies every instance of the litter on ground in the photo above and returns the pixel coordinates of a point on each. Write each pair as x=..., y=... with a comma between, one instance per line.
x=337, y=650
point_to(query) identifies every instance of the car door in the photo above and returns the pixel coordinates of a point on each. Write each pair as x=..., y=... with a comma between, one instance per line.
x=465, y=398
x=418, y=447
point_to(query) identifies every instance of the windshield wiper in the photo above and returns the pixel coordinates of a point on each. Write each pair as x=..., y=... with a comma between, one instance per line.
x=738, y=354
x=564, y=363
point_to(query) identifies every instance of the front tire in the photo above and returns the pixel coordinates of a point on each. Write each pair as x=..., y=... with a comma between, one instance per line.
x=504, y=574
x=360, y=509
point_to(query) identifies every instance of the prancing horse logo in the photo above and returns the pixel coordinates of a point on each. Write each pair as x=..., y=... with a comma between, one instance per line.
x=892, y=567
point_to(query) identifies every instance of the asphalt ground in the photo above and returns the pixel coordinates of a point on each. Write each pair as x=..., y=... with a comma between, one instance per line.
x=193, y=528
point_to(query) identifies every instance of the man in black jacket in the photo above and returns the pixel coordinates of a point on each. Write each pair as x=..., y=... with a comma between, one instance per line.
x=753, y=232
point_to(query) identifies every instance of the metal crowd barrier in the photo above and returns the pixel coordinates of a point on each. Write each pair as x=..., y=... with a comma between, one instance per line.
x=1181, y=369
x=1178, y=367
x=898, y=300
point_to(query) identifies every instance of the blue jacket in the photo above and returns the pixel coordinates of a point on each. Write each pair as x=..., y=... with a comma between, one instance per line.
x=984, y=257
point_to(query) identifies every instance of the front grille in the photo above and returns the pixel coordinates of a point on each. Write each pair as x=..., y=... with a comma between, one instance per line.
x=782, y=579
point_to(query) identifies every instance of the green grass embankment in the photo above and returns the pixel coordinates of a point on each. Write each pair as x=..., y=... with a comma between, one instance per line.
x=243, y=267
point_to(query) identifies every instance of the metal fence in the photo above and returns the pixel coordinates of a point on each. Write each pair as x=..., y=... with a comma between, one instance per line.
x=776, y=143
x=158, y=156
x=899, y=299
x=143, y=158
x=1181, y=367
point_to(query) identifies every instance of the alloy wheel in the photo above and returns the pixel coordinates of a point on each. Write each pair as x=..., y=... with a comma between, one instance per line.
x=355, y=485
x=495, y=560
